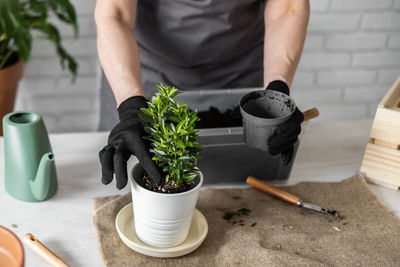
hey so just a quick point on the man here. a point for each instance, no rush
(191, 44)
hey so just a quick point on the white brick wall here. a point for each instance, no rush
(346, 77)
(356, 5)
(397, 4)
(386, 20)
(355, 41)
(350, 59)
(333, 21)
(45, 88)
(357, 62)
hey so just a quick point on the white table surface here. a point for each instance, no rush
(329, 151)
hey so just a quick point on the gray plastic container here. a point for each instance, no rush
(225, 156)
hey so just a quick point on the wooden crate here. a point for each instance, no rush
(381, 162)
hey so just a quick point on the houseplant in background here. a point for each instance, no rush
(163, 212)
(21, 21)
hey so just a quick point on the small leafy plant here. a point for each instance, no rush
(173, 137)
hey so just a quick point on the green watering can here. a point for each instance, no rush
(30, 171)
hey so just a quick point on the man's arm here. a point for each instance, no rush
(117, 47)
(285, 31)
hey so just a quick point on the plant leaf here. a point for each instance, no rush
(180, 143)
(180, 124)
(174, 119)
(185, 158)
(145, 118)
(159, 152)
(190, 176)
(147, 112)
(149, 130)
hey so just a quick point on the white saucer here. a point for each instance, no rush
(126, 231)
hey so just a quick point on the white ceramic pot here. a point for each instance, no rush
(162, 220)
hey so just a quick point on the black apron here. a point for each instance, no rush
(195, 44)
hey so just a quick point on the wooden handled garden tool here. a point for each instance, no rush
(286, 196)
(310, 114)
(43, 251)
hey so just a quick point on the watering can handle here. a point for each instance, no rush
(310, 114)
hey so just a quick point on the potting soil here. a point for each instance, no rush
(168, 188)
(214, 118)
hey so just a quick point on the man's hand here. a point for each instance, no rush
(124, 140)
(287, 133)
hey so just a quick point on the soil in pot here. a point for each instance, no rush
(214, 118)
(168, 187)
(11, 60)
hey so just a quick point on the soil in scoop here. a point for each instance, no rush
(168, 187)
(259, 109)
(213, 118)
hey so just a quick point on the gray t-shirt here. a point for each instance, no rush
(195, 44)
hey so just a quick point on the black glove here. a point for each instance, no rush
(124, 140)
(286, 135)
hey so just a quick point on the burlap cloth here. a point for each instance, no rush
(284, 235)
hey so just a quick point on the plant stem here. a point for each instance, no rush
(5, 59)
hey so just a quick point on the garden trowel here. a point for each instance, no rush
(286, 196)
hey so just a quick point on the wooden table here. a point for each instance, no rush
(329, 151)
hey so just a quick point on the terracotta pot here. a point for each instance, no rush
(11, 249)
(9, 78)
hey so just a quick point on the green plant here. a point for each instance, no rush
(23, 20)
(171, 129)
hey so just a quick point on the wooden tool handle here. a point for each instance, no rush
(310, 114)
(43, 251)
(272, 190)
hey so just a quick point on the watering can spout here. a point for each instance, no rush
(41, 183)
